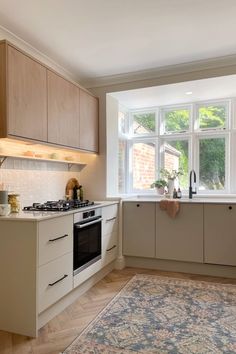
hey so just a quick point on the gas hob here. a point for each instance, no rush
(60, 205)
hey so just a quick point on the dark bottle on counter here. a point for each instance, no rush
(175, 193)
(179, 193)
(81, 193)
(75, 195)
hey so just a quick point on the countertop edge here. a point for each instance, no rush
(39, 216)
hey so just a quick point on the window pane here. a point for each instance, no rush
(144, 123)
(176, 158)
(176, 120)
(212, 116)
(143, 165)
(212, 164)
(121, 159)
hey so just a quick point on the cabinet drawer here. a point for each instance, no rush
(55, 280)
(109, 248)
(55, 238)
(110, 219)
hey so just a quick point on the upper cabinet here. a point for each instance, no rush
(88, 122)
(38, 104)
(24, 95)
(63, 111)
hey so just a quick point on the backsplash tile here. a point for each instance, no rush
(36, 181)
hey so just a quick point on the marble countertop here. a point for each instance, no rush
(43, 215)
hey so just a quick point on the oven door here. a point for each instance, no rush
(87, 244)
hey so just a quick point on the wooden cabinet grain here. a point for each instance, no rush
(180, 238)
(39, 104)
(88, 122)
(139, 229)
(220, 234)
(63, 111)
(23, 94)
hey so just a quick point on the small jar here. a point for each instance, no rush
(14, 201)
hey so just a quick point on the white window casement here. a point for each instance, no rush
(192, 136)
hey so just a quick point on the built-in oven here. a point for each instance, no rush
(87, 239)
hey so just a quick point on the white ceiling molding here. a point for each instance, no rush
(29, 49)
(225, 62)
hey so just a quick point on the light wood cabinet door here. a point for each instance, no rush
(88, 122)
(220, 234)
(63, 111)
(27, 96)
(180, 238)
(139, 229)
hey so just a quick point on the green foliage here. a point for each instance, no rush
(159, 183)
(212, 117)
(146, 120)
(177, 120)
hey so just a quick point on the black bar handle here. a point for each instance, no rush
(109, 249)
(58, 238)
(57, 281)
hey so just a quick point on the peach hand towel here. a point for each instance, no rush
(170, 206)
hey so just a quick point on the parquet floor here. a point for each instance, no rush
(63, 329)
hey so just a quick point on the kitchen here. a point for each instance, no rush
(48, 176)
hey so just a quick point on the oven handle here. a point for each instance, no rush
(80, 226)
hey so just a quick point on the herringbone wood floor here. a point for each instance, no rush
(63, 329)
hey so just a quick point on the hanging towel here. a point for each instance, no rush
(170, 206)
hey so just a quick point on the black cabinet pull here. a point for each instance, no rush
(57, 281)
(58, 238)
(109, 249)
(230, 207)
(138, 205)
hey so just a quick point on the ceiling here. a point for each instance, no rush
(184, 92)
(99, 38)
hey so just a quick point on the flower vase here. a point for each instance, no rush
(171, 186)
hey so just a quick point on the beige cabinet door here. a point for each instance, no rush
(220, 234)
(139, 229)
(63, 111)
(27, 96)
(88, 122)
(180, 238)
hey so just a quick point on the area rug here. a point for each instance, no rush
(155, 314)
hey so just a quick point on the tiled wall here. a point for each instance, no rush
(36, 181)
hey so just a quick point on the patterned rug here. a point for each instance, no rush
(155, 314)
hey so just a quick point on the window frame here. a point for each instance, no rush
(193, 136)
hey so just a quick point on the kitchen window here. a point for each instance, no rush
(192, 136)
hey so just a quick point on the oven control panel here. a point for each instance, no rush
(87, 215)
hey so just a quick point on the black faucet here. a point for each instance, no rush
(190, 184)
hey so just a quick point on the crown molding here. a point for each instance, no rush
(165, 71)
(43, 58)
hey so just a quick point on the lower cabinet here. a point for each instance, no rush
(220, 234)
(55, 280)
(180, 238)
(109, 233)
(139, 229)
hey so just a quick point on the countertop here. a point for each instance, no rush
(202, 200)
(43, 215)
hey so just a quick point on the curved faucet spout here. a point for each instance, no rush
(191, 192)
